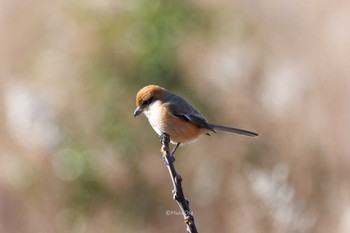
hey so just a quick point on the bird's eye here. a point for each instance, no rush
(146, 102)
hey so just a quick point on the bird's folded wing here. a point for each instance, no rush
(194, 119)
(186, 112)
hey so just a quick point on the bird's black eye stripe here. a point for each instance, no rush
(147, 102)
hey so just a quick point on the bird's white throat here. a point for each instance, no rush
(153, 114)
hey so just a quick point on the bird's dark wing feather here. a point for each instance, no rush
(194, 119)
(187, 113)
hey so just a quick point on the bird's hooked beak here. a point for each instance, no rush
(138, 111)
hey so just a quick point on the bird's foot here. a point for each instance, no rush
(174, 149)
(164, 138)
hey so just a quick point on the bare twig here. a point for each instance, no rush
(178, 194)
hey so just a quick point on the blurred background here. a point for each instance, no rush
(74, 159)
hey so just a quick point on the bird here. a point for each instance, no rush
(170, 114)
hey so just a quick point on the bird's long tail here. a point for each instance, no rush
(233, 130)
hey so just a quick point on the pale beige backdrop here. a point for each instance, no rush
(73, 159)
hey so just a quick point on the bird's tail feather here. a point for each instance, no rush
(233, 130)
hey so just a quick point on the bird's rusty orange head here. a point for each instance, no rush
(148, 95)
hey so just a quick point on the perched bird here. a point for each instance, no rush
(169, 113)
